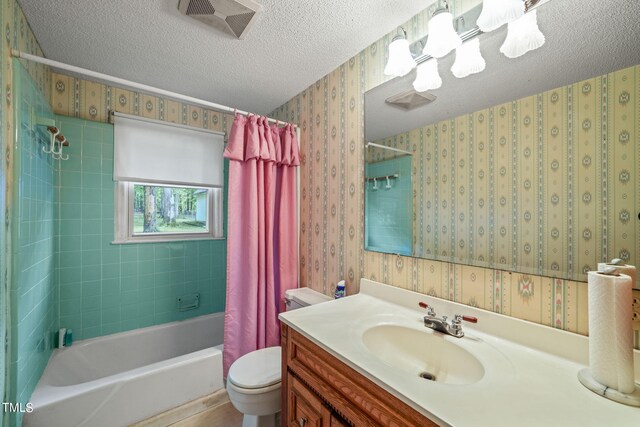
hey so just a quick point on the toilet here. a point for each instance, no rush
(253, 381)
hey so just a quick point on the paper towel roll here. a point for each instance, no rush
(610, 332)
(629, 270)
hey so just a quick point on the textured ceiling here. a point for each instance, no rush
(292, 44)
(584, 39)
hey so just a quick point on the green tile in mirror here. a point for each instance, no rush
(389, 206)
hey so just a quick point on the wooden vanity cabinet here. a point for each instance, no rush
(319, 390)
(306, 408)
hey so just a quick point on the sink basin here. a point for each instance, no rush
(423, 354)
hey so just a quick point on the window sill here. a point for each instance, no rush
(164, 239)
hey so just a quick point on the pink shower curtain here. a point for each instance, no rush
(262, 244)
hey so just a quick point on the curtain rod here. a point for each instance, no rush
(373, 144)
(133, 85)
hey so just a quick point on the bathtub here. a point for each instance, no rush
(126, 377)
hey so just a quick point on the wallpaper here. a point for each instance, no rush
(90, 100)
(558, 135)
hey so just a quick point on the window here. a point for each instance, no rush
(157, 213)
(169, 181)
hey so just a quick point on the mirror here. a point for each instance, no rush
(529, 166)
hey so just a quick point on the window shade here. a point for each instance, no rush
(151, 151)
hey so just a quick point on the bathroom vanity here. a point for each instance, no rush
(322, 390)
(368, 359)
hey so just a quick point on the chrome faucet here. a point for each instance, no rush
(453, 328)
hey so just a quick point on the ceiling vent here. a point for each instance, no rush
(410, 99)
(234, 17)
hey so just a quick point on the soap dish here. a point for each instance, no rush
(587, 380)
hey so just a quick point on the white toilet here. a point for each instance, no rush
(253, 382)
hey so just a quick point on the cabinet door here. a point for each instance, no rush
(305, 408)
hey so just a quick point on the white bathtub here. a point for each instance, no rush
(123, 378)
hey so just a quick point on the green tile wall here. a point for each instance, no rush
(33, 292)
(389, 211)
(3, 222)
(106, 288)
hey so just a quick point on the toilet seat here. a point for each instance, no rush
(258, 369)
(253, 391)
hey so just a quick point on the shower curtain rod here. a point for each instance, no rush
(373, 144)
(134, 85)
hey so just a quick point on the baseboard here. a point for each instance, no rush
(199, 412)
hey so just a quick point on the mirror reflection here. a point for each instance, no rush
(521, 171)
(388, 200)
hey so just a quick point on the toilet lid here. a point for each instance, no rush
(258, 369)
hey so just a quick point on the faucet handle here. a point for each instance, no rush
(470, 319)
(457, 319)
(430, 311)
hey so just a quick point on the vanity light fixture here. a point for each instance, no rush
(388, 182)
(523, 35)
(443, 38)
(400, 61)
(496, 13)
(375, 184)
(447, 33)
(469, 60)
(427, 76)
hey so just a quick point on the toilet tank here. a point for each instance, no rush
(302, 297)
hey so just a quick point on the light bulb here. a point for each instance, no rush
(427, 76)
(523, 35)
(400, 61)
(442, 37)
(469, 60)
(496, 13)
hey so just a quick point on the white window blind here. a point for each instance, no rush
(152, 151)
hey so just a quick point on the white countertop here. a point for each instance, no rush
(530, 370)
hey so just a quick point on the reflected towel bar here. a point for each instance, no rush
(392, 176)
